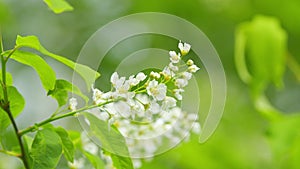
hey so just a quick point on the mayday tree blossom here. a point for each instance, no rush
(146, 109)
(72, 104)
(77, 164)
(193, 68)
(141, 76)
(184, 48)
(155, 75)
(157, 91)
(174, 57)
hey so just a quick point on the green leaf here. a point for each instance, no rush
(27, 146)
(45, 72)
(46, 149)
(121, 162)
(67, 144)
(9, 79)
(17, 104)
(58, 6)
(60, 92)
(111, 140)
(284, 136)
(95, 160)
(85, 72)
(76, 139)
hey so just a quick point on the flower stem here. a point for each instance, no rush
(10, 153)
(54, 118)
(5, 105)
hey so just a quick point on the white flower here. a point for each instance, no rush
(173, 68)
(133, 81)
(77, 164)
(137, 163)
(155, 75)
(140, 76)
(168, 103)
(72, 104)
(184, 48)
(168, 73)
(177, 93)
(158, 91)
(175, 58)
(114, 78)
(97, 96)
(122, 108)
(121, 85)
(107, 95)
(180, 83)
(190, 62)
(193, 68)
(91, 148)
(186, 75)
(196, 128)
(154, 107)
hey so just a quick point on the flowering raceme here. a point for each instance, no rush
(147, 110)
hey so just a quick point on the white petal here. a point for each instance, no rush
(114, 77)
(141, 76)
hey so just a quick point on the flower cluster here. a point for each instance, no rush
(147, 110)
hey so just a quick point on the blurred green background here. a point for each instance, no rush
(241, 139)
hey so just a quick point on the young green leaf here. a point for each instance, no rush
(76, 139)
(9, 79)
(85, 72)
(111, 140)
(94, 160)
(60, 92)
(17, 104)
(121, 162)
(58, 6)
(46, 149)
(45, 72)
(67, 144)
(27, 146)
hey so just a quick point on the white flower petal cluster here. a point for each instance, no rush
(146, 108)
(157, 91)
(77, 164)
(73, 104)
(184, 48)
(174, 57)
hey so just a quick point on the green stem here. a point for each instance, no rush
(51, 119)
(10, 153)
(6, 106)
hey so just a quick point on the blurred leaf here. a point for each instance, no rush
(60, 92)
(95, 160)
(85, 72)
(46, 149)
(67, 144)
(9, 79)
(17, 104)
(111, 140)
(45, 72)
(284, 137)
(58, 6)
(121, 162)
